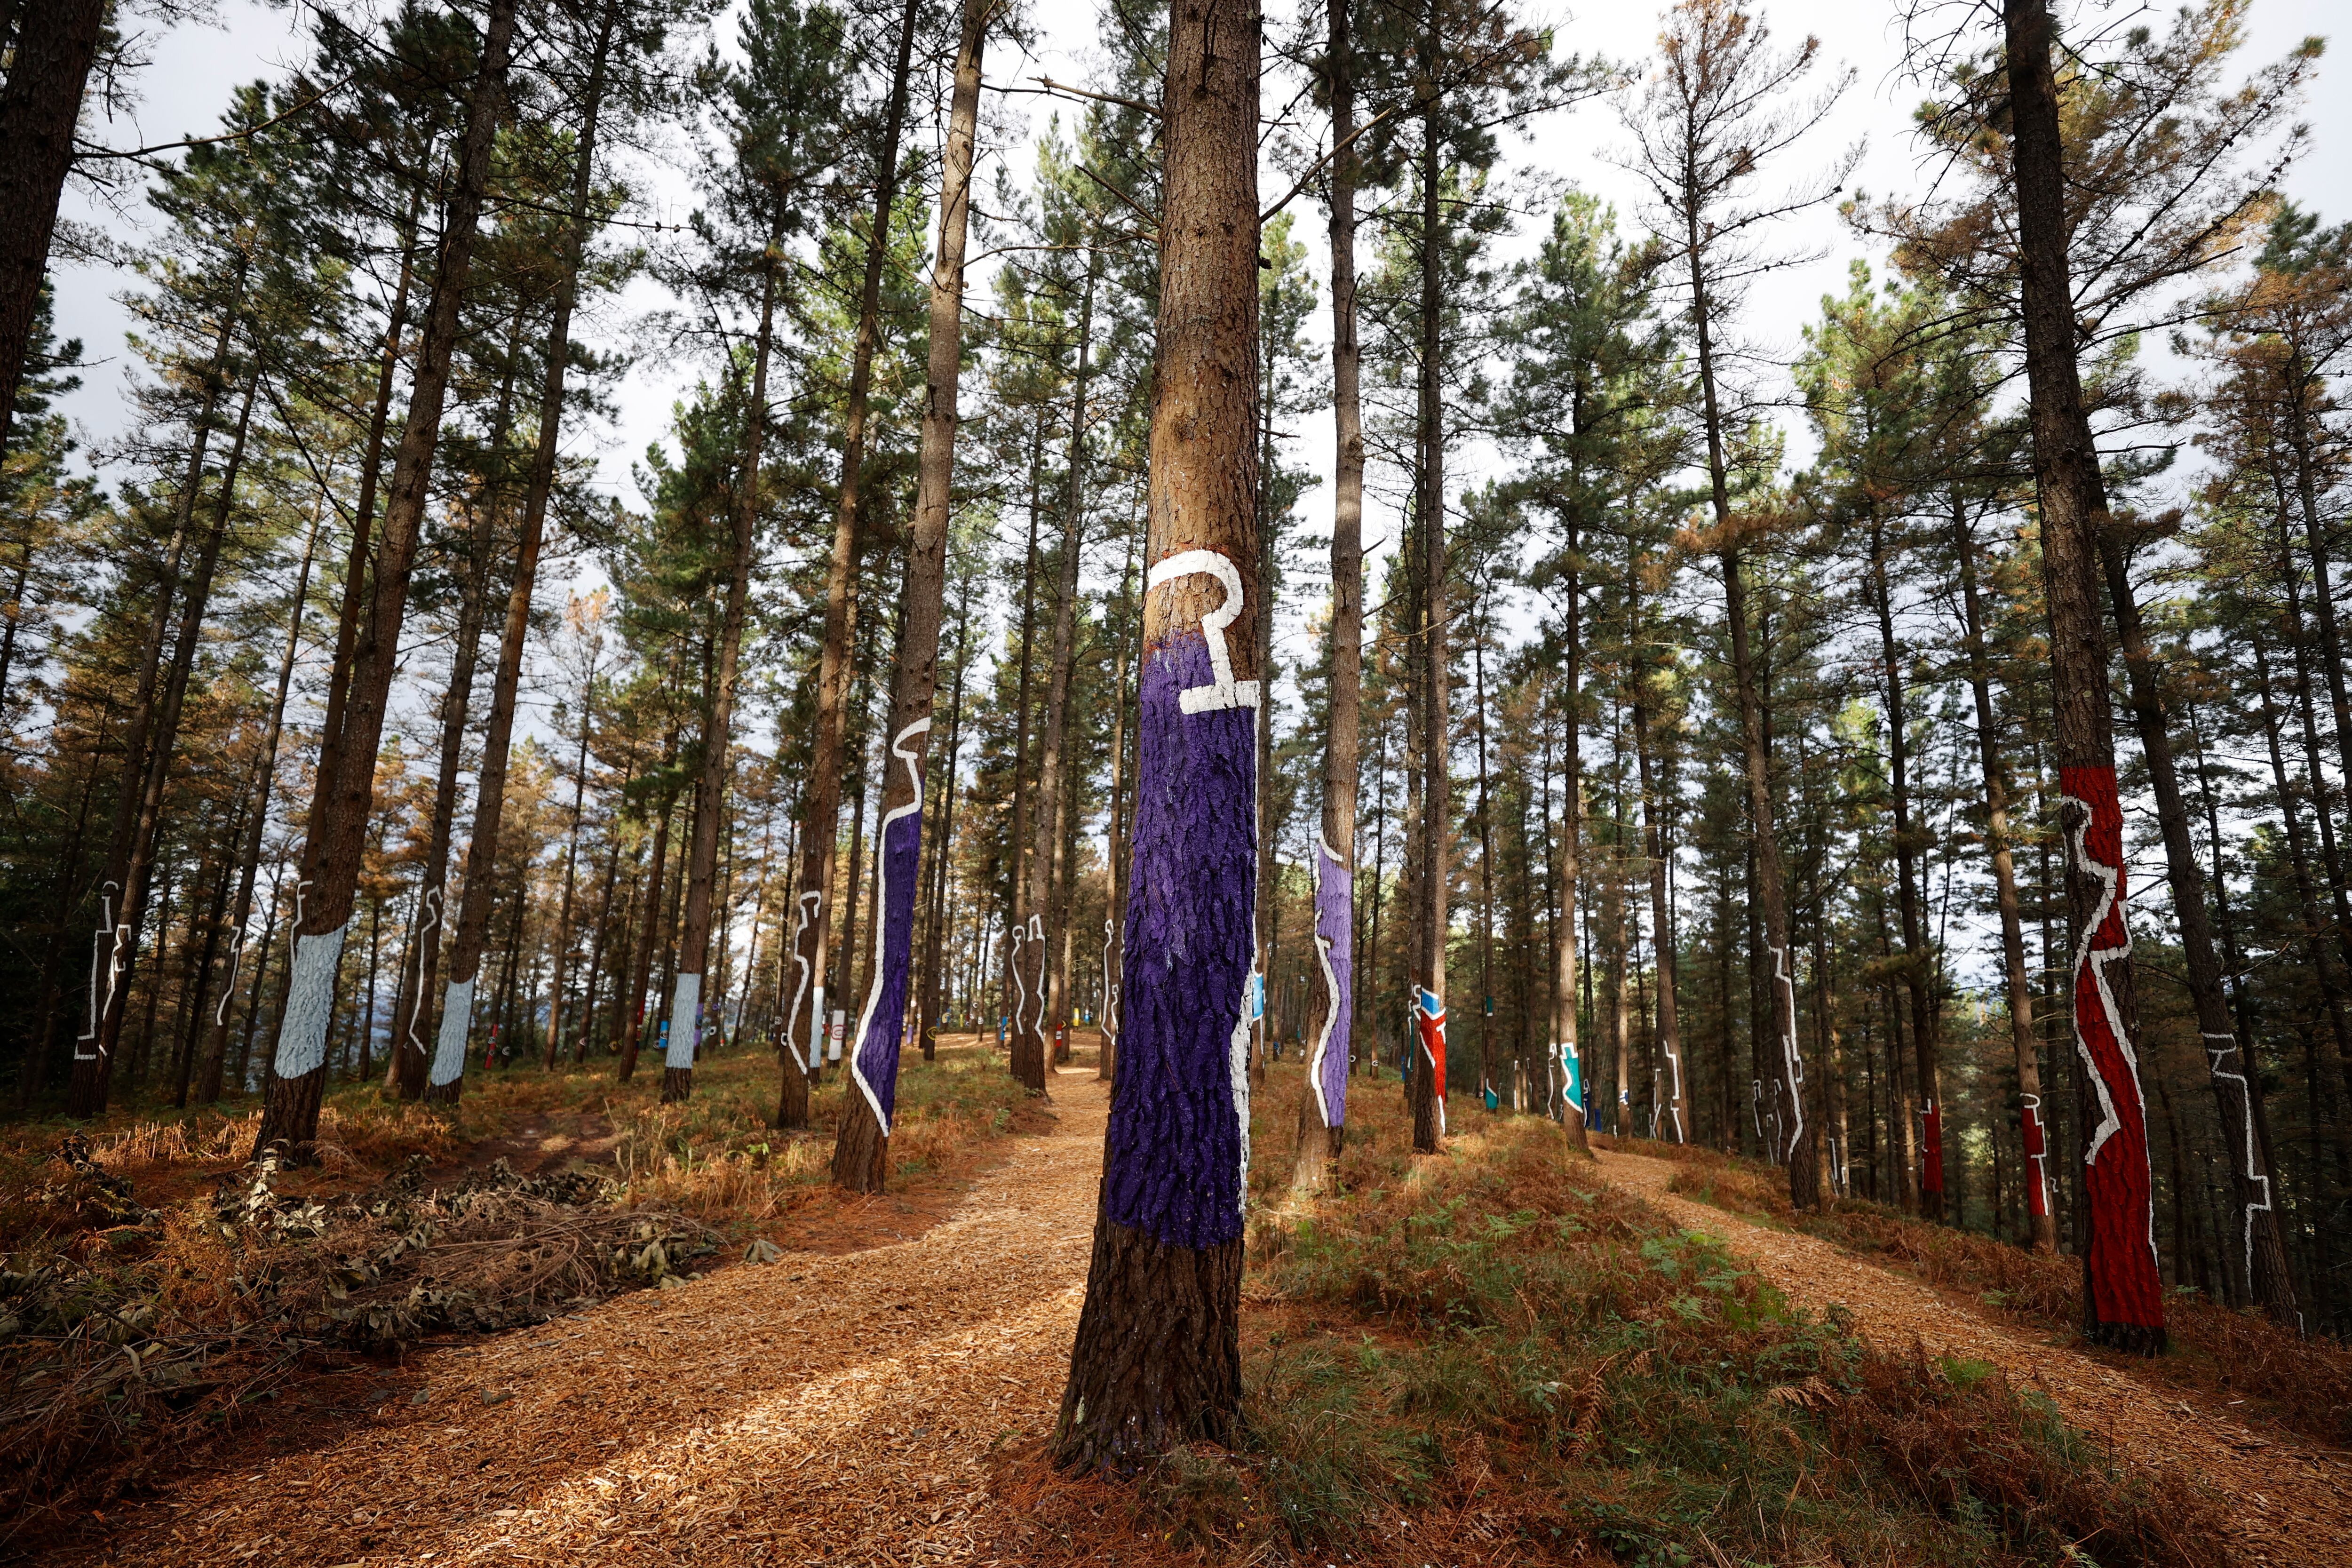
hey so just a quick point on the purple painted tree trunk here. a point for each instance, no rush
(1178, 1142)
(874, 1061)
(1327, 1066)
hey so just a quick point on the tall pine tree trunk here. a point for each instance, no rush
(1431, 918)
(1156, 1361)
(861, 1149)
(347, 795)
(264, 773)
(1323, 1105)
(2237, 1088)
(1675, 1110)
(56, 40)
(571, 867)
(447, 1077)
(819, 830)
(2026, 1051)
(1033, 1038)
(1916, 960)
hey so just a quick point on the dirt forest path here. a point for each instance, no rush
(2292, 1501)
(824, 1408)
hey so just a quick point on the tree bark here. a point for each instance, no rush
(1032, 1040)
(1157, 1359)
(861, 1150)
(819, 838)
(1323, 1104)
(56, 40)
(447, 1077)
(1916, 960)
(2237, 1087)
(2123, 1296)
(2024, 1050)
(290, 1116)
(571, 867)
(1432, 919)
(265, 772)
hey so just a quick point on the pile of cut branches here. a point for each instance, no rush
(127, 1332)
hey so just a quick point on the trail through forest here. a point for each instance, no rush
(824, 1408)
(2291, 1499)
(844, 1407)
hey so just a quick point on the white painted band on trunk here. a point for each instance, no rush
(686, 1000)
(449, 1045)
(309, 1003)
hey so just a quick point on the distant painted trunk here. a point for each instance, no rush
(338, 844)
(1323, 1105)
(2236, 1085)
(1432, 919)
(1795, 1137)
(153, 773)
(1033, 1044)
(446, 1080)
(1566, 1078)
(2025, 1051)
(813, 901)
(111, 951)
(1674, 1119)
(2122, 1295)
(861, 1150)
(265, 772)
(1157, 1359)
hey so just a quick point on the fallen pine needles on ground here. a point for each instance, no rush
(2304, 1385)
(1494, 1356)
(130, 1332)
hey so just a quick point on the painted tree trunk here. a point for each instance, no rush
(1157, 1359)
(813, 901)
(153, 771)
(2026, 1051)
(861, 1150)
(1432, 919)
(93, 1056)
(264, 773)
(2122, 1295)
(2237, 1088)
(1322, 1109)
(1034, 1041)
(446, 1079)
(290, 1116)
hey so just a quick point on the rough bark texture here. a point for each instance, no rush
(56, 40)
(2024, 1050)
(861, 1151)
(1322, 1106)
(813, 902)
(447, 1078)
(1156, 1362)
(1916, 961)
(299, 1071)
(2237, 1087)
(2122, 1295)
(1432, 920)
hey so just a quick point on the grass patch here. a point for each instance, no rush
(1494, 1356)
(2239, 1359)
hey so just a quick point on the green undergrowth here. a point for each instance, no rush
(2255, 1368)
(1493, 1353)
